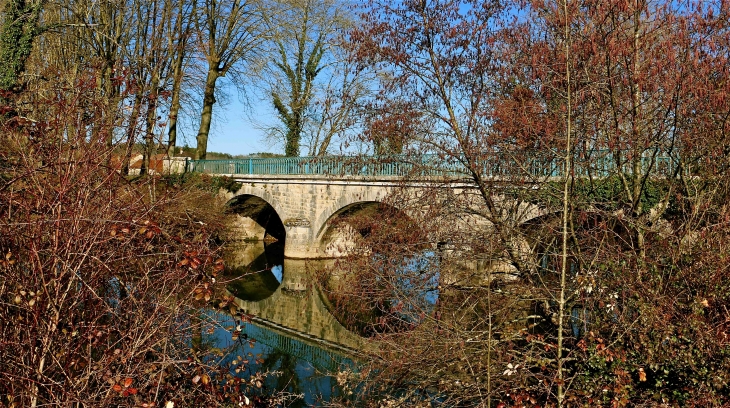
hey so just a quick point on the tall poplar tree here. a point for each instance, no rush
(303, 55)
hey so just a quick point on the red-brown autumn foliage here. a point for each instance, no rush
(101, 277)
(638, 92)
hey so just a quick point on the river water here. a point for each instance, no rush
(291, 331)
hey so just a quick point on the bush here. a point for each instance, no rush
(100, 278)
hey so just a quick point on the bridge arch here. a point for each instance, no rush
(342, 202)
(260, 212)
(336, 237)
(305, 205)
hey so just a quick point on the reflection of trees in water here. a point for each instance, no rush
(200, 342)
(290, 305)
(382, 286)
(395, 296)
(285, 364)
(292, 377)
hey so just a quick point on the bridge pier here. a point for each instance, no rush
(300, 243)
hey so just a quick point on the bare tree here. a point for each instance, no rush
(109, 281)
(227, 33)
(573, 128)
(156, 63)
(307, 73)
(335, 108)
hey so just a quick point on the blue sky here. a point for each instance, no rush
(232, 131)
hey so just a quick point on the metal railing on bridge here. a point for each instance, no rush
(327, 165)
(509, 164)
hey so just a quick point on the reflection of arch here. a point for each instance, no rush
(255, 270)
(302, 314)
(261, 212)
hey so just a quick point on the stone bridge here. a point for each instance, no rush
(297, 198)
(301, 208)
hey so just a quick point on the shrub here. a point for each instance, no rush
(100, 277)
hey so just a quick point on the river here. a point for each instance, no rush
(291, 330)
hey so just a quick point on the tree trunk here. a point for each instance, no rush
(17, 33)
(110, 95)
(206, 115)
(567, 181)
(109, 54)
(177, 75)
(175, 104)
(292, 142)
(131, 127)
(150, 120)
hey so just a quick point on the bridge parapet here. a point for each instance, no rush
(597, 163)
(367, 166)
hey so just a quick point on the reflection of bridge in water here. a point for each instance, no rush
(293, 318)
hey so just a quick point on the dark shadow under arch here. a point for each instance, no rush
(362, 208)
(261, 212)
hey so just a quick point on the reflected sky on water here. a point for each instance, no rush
(302, 367)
